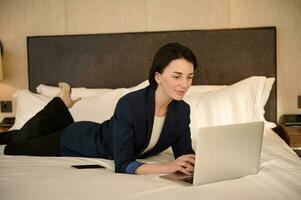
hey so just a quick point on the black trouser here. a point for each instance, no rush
(40, 136)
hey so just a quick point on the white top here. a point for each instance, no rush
(157, 128)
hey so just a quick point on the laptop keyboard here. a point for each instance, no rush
(188, 180)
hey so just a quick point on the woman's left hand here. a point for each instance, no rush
(184, 164)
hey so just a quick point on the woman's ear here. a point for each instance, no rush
(157, 77)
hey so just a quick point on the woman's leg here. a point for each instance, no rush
(53, 117)
(48, 145)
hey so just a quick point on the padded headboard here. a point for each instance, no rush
(123, 59)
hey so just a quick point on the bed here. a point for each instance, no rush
(236, 82)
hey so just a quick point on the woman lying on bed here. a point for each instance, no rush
(145, 122)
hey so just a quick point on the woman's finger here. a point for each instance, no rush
(189, 155)
(185, 165)
(185, 171)
(189, 159)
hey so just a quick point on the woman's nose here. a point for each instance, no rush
(185, 84)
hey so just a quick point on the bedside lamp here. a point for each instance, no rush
(1, 71)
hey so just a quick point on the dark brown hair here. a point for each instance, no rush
(165, 55)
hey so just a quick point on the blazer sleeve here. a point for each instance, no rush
(182, 145)
(123, 139)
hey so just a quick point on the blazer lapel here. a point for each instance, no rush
(150, 103)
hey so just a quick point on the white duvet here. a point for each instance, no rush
(43, 178)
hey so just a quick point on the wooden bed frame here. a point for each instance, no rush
(123, 59)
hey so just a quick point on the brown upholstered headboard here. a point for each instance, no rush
(123, 59)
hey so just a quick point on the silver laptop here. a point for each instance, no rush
(225, 152)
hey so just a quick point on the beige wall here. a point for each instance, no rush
(19, 18)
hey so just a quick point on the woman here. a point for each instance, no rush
(145, 122)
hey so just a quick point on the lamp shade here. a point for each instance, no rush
(1, 71)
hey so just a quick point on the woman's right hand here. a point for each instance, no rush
(184, 164)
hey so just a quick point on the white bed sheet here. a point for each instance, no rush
(30, 178)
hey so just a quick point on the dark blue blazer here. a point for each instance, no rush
(125, 136)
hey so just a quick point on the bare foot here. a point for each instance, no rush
(65, 94)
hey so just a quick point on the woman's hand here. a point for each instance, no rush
(184, 164)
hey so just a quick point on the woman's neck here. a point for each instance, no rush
(161, 102)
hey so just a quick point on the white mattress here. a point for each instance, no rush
(30, 178)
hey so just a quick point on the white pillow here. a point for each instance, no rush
(94, 108)
(28, 104)
(101, 107)
(266, 93)
(237, 103)
(97, 108)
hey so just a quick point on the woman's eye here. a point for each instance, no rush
(176, 77)
(190, 77)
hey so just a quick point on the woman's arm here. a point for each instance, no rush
(184, 164)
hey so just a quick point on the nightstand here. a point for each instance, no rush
(292, 136)
(6, 123)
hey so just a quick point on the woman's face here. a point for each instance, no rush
(175, 79)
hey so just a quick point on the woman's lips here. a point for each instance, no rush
(181, 93)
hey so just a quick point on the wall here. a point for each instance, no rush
(19, 19)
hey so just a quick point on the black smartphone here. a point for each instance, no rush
(91, 166)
